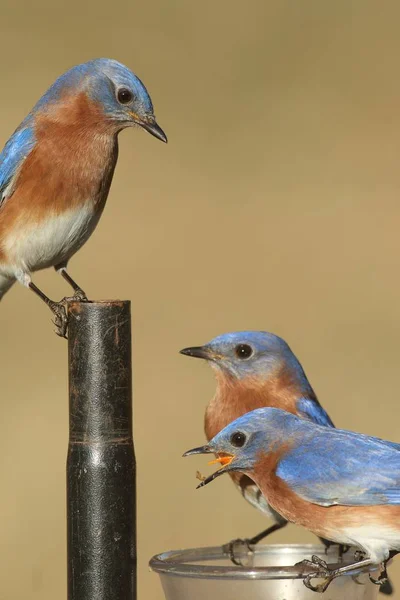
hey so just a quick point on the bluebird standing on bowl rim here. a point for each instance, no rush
(57, 167)
(256, 369)
(341, 485)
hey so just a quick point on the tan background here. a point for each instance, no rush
(274, 206)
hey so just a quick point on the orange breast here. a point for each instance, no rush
(235, 398)
(73, 161)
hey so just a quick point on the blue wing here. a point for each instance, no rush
(342, 467)
(12, 157)
(313, 411)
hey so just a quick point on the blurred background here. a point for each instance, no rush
(274, 206)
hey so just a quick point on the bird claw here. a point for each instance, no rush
(315, 562)
(79, 296)
(236, 548)
(323, 571)
(60, 310)
(322, 587)
(382, 579)
(60, 318)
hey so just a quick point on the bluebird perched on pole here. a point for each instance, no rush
(343, 486)
(57, 167)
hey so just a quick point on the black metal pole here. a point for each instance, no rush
(101, 488)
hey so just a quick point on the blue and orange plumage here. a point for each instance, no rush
(341, 485)
(256, 369)
(57, 168)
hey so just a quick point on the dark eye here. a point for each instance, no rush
(243, 351)
(124, 96)
(238, 439)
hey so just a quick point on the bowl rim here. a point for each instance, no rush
(177, 562)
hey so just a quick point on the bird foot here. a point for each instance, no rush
(322, 587)
(79, 296)
(315, 562)
(239, 551)
(60, 311)
(60, 318)
(382, 579)
(322, 572)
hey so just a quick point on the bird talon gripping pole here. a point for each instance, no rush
(101, 489)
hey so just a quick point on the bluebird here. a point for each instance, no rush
(255, 369)
(57, 167)
(341, 485)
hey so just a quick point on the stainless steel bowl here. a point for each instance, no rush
(208, 574)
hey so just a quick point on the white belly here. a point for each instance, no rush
(51, 242)
(377, 540)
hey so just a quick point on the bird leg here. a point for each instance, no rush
(79, 294)
(383, 576)
(327, 574)
(58, 309)
(383, 580)
(239, 543)
(342, 548)
(260, 536)
(234, 547)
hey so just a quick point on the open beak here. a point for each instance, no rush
(150, 125)
(224, 461)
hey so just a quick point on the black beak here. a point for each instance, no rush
(153, 128)
(197, 352)
(206, 450)
(199, 450)
(211, 477)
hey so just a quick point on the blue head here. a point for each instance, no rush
(241, 444)
(256, 354)
(119, 92)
